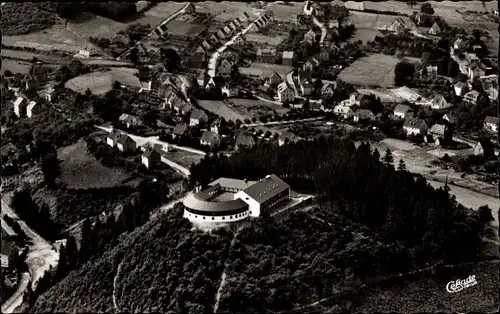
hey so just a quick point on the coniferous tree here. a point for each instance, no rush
(376, 154)
(388, 159)
(85, 245)
(71, 253)
(401, 165)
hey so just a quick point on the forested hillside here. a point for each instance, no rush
(372, 222)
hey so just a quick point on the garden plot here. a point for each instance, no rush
(221, 109)
(184, 158)
(287, 13)
(179, 27)
(263, 70)
(15, 66)
(262, 39)
(225, 11)
(91, 25)
(249, 106)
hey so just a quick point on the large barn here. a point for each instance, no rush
(229, 200)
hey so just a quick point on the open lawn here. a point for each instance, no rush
(264, 39)
(364, 34)
(221, 108)
(375, 69)
(226, 11)
(184, 158)
(178, 27)
(89, 24)
(15, 66)
(265, 69)
(28, 56)
(253, 107)
(80, 170)
(287, 13)
(101, 82)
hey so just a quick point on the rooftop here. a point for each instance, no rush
(266, 188)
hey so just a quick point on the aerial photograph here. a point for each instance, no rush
(250, 157)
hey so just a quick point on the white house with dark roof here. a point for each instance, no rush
(491, 123)
(415, 126)
(150, 157)
(439, 102)
(403, 112)
(265, 194)
(460, 89)
(275, 79)
(198, 117)
(285, 93)
(129, 120)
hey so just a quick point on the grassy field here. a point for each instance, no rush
(221, 109)
(265, 69)
(178, 27)
(100, 83)
(226, 11)
(426, 292)
(15, 66)
(80, 170)
(184, 158)
(93, 25)
(287, 13)
(264, 39)
(364, 34)
(375, 69)
(253, 107)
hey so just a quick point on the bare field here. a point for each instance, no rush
(375, 69)
(372, 20)
(182, 28)
(220, 108)
(101, 82)
(264, 39)
(15, 66)
(265, 69)
(184, 158)
(287, 13)
(80, 170)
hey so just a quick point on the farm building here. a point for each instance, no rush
(287, 58)
(198, 117)
(415, 126)
(285, 93)
(266, 55)
(402, 25)
(476, 71)
(353, 100)
(150, 157)
(211, 139)
(491, 124)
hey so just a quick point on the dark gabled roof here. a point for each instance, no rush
(124, 139)
(438, 129)
(402, 108)
(180, 129)
(415, 123)
(209, 136)
(287, 135)
(150, 152)
(244, 139)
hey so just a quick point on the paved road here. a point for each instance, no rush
(17, 298)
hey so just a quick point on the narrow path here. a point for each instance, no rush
(224, 275)
(316, 21)
(115, 280)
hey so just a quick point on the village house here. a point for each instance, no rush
(239, 40)
(32, 109)
(306, 87)
(20, 106)
(441, 134)
(211, 139)
(471, 97)
(304, 21)
(8, 251)
(214, 39)
(224, 68)
(400, 26)
(310, 37)
(275, 79)
(244, 140)
(328, 89)
(198, 57)
(476, 71)
(266, 55)
(179, 130)
(151, 157)
(215, 127)
(112, 137)
(230, 90)
(237, 22)
(459, 44)
(333, 24)
(484, 148)
(227, 31)
(179, 105)
(492, 92)
(129, 120)
(304, 74)
(125, 143)
(221, 35)
(491, 124)
(432, 71)
(324, 55)
(206, 45)
(48, 93)
(439, 102)
(352, 101)
(310, 64)
(344, 112)
(363, 115)
(435, 29)
(198, 117)
(415, 126)
(450, 118)
(287, 58)
(460, 89)
(285, 93)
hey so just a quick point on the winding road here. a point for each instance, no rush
(308, 10)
